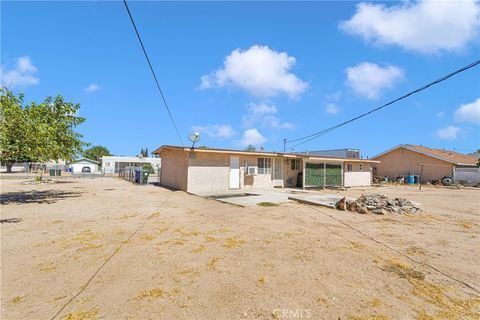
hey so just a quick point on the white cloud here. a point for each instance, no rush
(92, 87)
(332, 108)
(448, 133)
(253, 137)
(441, 114)
(260, 71)
(424, 26)
(264, 114)
(369, 79)
(216, 130)
(22, 75)
(469, 112)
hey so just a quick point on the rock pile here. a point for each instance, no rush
(378, 204)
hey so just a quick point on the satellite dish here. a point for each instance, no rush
(194, 137)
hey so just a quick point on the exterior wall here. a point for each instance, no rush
(174, 169)
(77, 167)
(290, 177)
(402, 162)
(359, 176)
(110, 164)
(210, 172)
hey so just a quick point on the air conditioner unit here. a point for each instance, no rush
(251, 171)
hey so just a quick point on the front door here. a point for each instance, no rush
(278, 173)
(234, 173)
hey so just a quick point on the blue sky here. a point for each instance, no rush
(251, 72)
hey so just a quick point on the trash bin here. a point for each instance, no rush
(145, 175)
(52, 172)
(137, 178)
(58, 172)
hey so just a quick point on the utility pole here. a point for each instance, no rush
(284, 144)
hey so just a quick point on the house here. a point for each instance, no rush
(342, 153)
(85, 165)
(219, 170)
(114, 164)
(407, 159)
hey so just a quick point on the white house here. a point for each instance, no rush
(85, 165)
(114, 164)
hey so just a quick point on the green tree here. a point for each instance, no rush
(146, 152)
(96, 153)
(250, 148)
(38, 132)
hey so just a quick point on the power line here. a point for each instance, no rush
(153, 72)
(320, 133)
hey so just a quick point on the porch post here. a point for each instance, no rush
(324, 174)
(304, 163)
(342, 173)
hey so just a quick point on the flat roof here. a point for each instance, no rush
(263, 153)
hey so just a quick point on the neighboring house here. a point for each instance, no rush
(219, 170)
(85, 165)
(408, 159)
(113, 164)
(34, 166)
(342, 153)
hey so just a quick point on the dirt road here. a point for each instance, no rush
(107, 249)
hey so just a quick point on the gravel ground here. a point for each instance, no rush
(107, 249)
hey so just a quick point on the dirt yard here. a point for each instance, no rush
(107, 249)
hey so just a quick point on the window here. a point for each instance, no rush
(361, 167)
(349, 167)
(264, 165)
(295, 164)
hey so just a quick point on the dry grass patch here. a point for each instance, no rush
(356, 245)
(151, 293)
(49, 267)
(416, 251)
(212, 263)
(85, 315)
(210, 239)
(147, 237)
(201, 248)
(371, 317)
(466, 225)
(448, 308)
(233, 242)
(403, 270)
(16, 300)
(262, 280)
(187, 233)
(375, 302)
(267, 204)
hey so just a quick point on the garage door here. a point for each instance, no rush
(333, 175)
(314, 175)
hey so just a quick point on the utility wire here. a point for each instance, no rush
(153, 72)
(320, 133)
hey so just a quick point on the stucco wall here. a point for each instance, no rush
(403, 162)
(288, 173)
(359, 176)
(210, 172)
(173, 172)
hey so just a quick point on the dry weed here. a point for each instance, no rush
(210, 239)
(201, 248)
(49, 267)
(16, 299)
(85, 315)
(416, 251)
(212, 263)
(403, 270)
(233, 242)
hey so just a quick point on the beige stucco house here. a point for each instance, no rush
(407, 159)
(219, 170)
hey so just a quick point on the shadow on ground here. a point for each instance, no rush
(47, 196)
(11, 220)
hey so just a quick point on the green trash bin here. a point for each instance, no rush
(58, 172)
(52, 172)
(145, 175)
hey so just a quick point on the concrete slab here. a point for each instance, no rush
(249, 197)
(327, 200)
